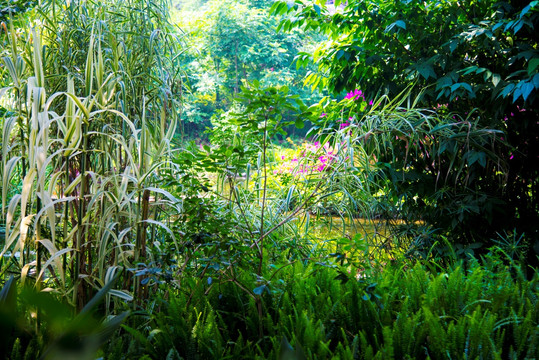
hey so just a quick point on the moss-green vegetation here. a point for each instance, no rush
(473, 309)
(479, 309)
(393, 214)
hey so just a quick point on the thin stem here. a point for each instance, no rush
(260, 244)
(66, 211)
(296, 210)
(78, 293)
(243, 215)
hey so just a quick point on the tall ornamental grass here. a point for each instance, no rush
(90, 91)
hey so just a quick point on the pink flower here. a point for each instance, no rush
(282, 157)
(271, 69)
(323, 115)
(371, 102)
(355, 95)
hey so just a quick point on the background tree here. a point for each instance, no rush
(234, 42)
(14, 7)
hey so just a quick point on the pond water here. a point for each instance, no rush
(337, 227)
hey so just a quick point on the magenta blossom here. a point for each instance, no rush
(355, 95)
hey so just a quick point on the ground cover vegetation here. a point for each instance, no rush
(390, 214)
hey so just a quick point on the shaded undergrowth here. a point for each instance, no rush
(475, 310)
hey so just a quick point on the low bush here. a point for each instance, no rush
(478, 309)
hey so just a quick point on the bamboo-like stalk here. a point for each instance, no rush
(66, 211)
(98, 192)
(79, 294)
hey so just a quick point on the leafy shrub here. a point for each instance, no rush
(35, 324)
(476, 309)
(479, 55)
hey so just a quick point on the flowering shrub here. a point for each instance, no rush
(345, 124)
(314, 157)
(341, 114)
(307, 158)
(355, 95)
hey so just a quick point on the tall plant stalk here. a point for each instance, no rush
(90, 156)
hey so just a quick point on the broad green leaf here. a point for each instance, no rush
(38, 62)
(507, 90)
(12, 71)
(317, 9)
(526, 89)
(532, 65)
(400, 24)
(517, 93)
(426, 71)
(260, 289)
(496, 79)
(536, 81)
(453, 45)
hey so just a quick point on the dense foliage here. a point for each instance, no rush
(87, 121)
(481, 309)
(477, 60)
(395, 217)
(14, 7)
(232, 43)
